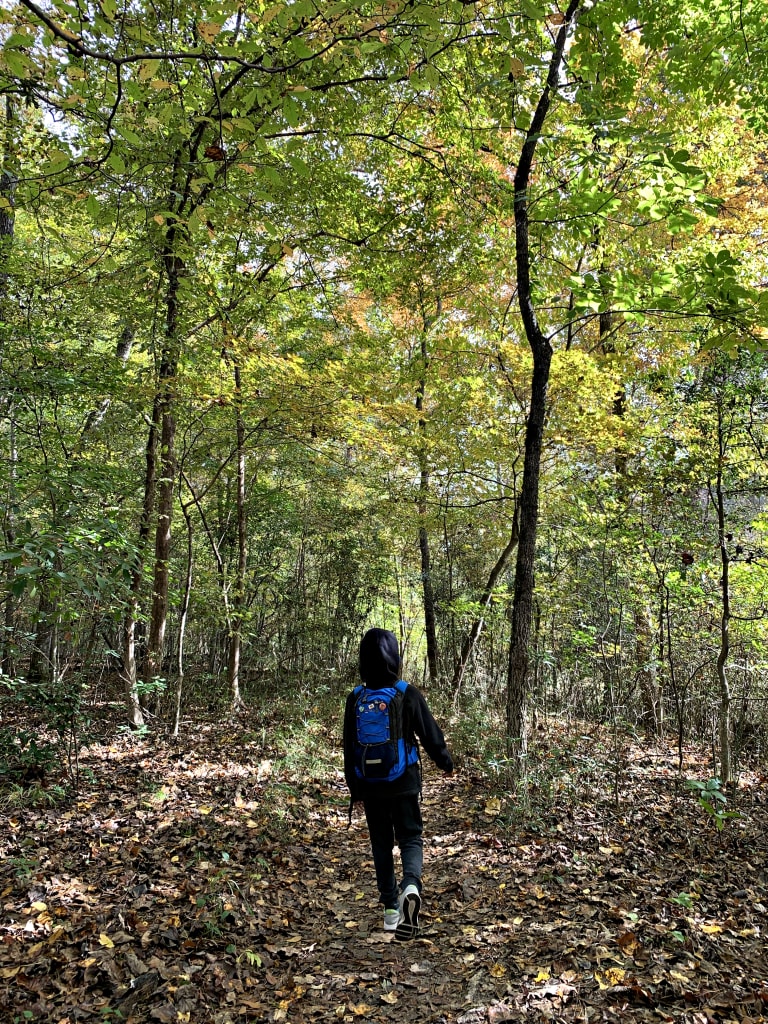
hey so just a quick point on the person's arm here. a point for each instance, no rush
(428, 731)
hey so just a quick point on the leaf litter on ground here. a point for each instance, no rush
(215, 883)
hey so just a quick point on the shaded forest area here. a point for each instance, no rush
(439, 316)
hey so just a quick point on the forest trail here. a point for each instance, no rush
(207, 883)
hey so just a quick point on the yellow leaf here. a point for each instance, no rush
(361, 1010)
(543, 975)
(679, 977)
(711, 929)
(208, 30)
(516, 68)
(498, 971)
(39, 906)
(390, 998)
(147, 68)
(205, 810)
(607, 979)
(492, 807)
(104, 940)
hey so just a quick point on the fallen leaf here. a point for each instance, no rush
(611, 977)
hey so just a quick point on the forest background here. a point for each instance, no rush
(317, 316)
(443, 316)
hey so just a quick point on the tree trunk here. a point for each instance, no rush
(522, 602)
(650, 691)
(183, 624)
(238, 598)
(7, 666)
(7, 223)
(430, 618)
(541, 349)
(724, 710)
(167, 479)
(130, 668)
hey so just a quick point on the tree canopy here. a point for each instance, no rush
(445, 315)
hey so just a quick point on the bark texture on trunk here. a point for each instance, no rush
(541, 350)
(724, 711)
(428, 593)
(238, 596)
(183, 624)
(130, 666)
(167, 478)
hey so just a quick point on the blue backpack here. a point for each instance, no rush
(381, 753)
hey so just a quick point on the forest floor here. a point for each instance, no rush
(214, 880)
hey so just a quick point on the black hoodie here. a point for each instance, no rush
(379, 667)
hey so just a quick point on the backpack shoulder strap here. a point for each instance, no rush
(401, 686)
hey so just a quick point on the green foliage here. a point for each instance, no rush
(48, 743)
(322, 199)
(712, 800)
(24, 756)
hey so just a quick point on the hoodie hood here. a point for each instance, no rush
(379, 659)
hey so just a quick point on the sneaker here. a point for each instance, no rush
(410, 904)
(391, 919)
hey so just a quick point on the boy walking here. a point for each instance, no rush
(383, 719)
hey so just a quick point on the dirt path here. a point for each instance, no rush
(215, 886)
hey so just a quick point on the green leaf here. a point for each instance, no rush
(292, 111)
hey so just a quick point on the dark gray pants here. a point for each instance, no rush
(389, 820)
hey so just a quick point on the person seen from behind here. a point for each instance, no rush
(385, 719)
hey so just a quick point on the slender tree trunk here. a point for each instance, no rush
(7, 666)
(7, 223)
(724, 711)
(428, 593)
(238, 598)
(541, 350)
(522, 602)
(476, 629)
(130, 667)
(650, 692)
(183, 623)
(167, 479)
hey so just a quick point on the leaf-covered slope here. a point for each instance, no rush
(220, 884)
